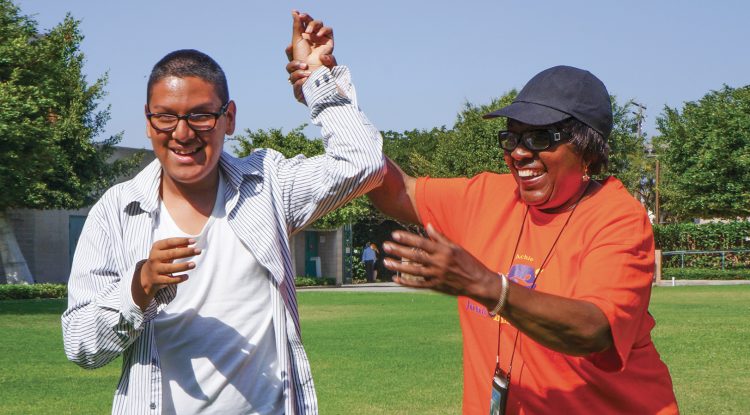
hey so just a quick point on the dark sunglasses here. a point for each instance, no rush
(534, 140)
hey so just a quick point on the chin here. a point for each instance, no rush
(537, 201)
(186, 177)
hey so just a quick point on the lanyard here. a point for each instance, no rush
(533, 283)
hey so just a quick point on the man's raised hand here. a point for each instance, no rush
(311, 48)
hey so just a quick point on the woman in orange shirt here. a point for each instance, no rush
(552, 269)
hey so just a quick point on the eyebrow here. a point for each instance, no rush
(207, 107)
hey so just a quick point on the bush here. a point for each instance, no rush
(358, 267)
(704, 237)
(313, 282)
(704, 274)
(31, 291)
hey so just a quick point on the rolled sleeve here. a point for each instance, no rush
(101, 319)
(353, 161)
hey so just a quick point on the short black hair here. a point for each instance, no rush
(184, 63)
(589, 143)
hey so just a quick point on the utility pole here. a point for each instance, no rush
(641, 108)
(639, 125)
(656, 191)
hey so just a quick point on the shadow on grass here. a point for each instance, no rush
(35, 306)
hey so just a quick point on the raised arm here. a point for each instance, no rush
(396, 197)
(353, 160)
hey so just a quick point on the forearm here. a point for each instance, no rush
(573, 327)
(353, 159)
(101, 320)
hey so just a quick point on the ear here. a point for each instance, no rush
(148, 124)
(230, 114)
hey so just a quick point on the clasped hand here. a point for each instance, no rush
(311, 48)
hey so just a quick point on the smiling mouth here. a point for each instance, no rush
(528, 173)
(186, 152)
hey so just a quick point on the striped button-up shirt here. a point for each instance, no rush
(268, 198)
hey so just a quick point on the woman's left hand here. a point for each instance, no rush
(443, 265)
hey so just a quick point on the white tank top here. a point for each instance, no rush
(215, 340)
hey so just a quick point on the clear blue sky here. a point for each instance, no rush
(414, 62)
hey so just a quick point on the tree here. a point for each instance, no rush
(628, 154)
(705, 153)
(291, 144)
(48, 122)
(472, 146)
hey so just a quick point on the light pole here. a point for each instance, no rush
(640, 115)
(650, 154)
(656, 192)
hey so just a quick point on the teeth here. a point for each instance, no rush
(529, 173)
(184, 152)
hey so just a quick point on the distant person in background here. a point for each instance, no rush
(378, 262)
(369, 256)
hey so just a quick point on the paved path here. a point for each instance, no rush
(669, 283)
(392, 287)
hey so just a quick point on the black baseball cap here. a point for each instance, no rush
(558, 93)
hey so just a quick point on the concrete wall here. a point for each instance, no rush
(43, 236)
(330, 252)
(297, 244)
(330, 248)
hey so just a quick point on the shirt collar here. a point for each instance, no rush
(144, 187)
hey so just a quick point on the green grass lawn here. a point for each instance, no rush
(398, 353)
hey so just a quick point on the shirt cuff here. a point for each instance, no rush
(129, 310)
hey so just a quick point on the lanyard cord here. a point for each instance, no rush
(499, 325)
(533, 282)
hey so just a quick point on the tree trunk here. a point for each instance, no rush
(11, 258)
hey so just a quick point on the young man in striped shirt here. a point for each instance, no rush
(186, 270)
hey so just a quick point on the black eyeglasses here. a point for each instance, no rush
(534, 140)
(165, 122)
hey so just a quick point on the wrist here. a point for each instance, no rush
(140, 291)
(502, 298)
(312, 67)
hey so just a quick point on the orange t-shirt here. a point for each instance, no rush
(604, 255)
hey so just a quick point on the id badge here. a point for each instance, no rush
(499, 393)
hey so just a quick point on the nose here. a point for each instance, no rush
(182, 131)
(521, 152)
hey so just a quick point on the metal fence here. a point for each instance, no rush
(735, 258)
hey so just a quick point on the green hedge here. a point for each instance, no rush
(708, 236)
(311, 281)
(322, 282)
(705, 237)
(31, 291)
(704, 274)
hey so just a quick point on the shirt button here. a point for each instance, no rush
(153, 405)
